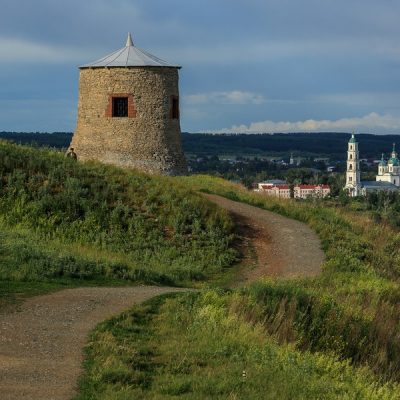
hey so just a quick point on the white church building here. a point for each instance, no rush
(388, 177)
(389, 171)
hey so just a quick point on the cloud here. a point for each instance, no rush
(232, 97)
(306, 56)
(18, 50)
(371, 123)
(267, 50)
(360, 99)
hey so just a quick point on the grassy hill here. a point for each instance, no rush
(72, 223)
(64, 223)
(329, 337)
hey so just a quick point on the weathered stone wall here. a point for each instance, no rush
(148, 139)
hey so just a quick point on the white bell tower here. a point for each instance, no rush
(353, 183)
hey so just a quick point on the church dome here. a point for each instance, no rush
(393, 159)
(382, 163)
(352, 139)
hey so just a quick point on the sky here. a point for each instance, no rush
(248, 65)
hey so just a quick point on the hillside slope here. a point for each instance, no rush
(327, 337)
(30, 340)
(65, 220)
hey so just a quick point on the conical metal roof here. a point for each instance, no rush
(129, 56)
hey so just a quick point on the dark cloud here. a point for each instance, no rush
(289, 52)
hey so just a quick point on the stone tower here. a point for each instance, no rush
(353, 182)
(128, 112)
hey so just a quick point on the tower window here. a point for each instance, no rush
(350, 166)
(120, 106)
(351, 156)
(350, 178)
(174, 107)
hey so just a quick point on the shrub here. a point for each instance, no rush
(162, 228)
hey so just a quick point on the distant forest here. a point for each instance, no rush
(331, 145)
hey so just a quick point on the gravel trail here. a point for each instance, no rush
(41, 343)
(283, 247)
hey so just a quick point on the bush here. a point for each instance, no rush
(221, 355)
(159, 226)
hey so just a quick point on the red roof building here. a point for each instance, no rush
(299, 191)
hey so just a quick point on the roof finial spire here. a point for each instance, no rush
(129, 41)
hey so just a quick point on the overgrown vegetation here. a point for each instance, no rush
(64, 220)
(333, 336)
(352, 309)
(200, 346)
(383, 206)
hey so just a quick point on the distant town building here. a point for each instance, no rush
(388, 178)
(272, 182)
(389, 171)
(311, 191)
(280, 190)
(291, 161)
(376, 186)
(322, 159)
(353, 180)
(299, 191)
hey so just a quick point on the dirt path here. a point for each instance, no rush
(283, 247)
(41, 344)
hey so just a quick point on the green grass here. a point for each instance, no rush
(85, 223)
(70, 224)
(352, 308)
(329, 337)
(12, 293)
(25, 258)
(195, 346)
